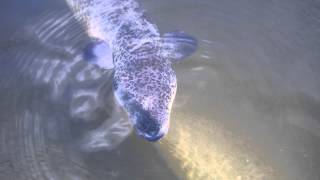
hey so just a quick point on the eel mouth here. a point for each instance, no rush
(151, 138)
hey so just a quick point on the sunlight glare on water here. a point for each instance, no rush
(195, 149)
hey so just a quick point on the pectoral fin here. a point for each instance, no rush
(178, 45)
(98, 52)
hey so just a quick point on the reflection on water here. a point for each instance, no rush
(247, 105)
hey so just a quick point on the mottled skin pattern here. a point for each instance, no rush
(144, 81)
(147, 87)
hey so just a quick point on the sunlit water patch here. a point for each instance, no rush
(201, 148)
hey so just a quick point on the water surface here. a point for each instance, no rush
(247, 105)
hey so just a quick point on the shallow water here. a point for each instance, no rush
(247, 105)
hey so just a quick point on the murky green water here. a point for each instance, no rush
(247, 105)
